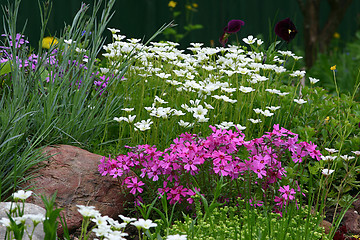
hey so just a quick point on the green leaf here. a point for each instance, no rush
(5, 68)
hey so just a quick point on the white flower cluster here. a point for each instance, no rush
(201, 72)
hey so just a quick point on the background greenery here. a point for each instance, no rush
(142, 18)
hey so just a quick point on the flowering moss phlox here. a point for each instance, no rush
(190, 154)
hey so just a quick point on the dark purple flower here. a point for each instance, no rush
(233, 27)
(286, 30)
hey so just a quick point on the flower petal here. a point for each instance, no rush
(234, 26)
(286, 29)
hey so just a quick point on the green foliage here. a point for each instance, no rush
(236, 223)
(51, 221)
(347, 67)
(173, 33)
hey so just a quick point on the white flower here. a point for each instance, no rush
(249, 40)
(143, 125)
(254, 120)
(159, 100)
(327, 172)
(100, 220)
(163, 75)
(88, 211)
(357, 153)
(113, 30)
(199, 111)
(70, 41)
(313, 80)
(35, 218)
(298, 73)
(331, 150)
(120, 119)
(208, 106)
(297, 57)
(185, 124)
(267, 113)
(286, 53)
(5, 222)
(127, 109)
(272, 108)
(177, 112)
(257, 110)
(202, 119)
(347, 158)
(225, 125)
(240, 127)
(328, 158)
(300, 101)
(130, 118)
(246, 89)
(21, 195)
(176, 237)
(259, 42)
(145, 224)
(127, 219)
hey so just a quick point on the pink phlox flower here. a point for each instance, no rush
(287, 193)
(104, 167)
(154, 173)
(187, 137)
(298, 155)
(179, 192)
(116, 172)
(222, 167)
(229, 148)
(291, 144)
(221, 157)
(146, 168)
(265, 160)
(258, 169)
(134, 184)
(173, 176)
(313, 152)
(190, 165)
(164, 189)
(166, 162)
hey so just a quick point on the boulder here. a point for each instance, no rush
(351, 221)
(28, 209)
(73, 173)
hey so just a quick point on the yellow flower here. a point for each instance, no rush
(172, 4)
(327, 119)
(336, 35)
(195, 5)
(188, 7)
(333, 68)
(47, 42)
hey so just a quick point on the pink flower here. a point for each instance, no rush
(132, 182)
(287, 193)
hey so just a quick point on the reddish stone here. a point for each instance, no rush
(351, 221)
(73, 173)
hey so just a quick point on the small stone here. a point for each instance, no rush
(28, 209)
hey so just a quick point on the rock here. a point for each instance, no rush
(351, 221)
(73, 173)
(326, 225)
(356, 205)
(29, 208)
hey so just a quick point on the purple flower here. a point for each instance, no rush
(233, 27)
(286, 30)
